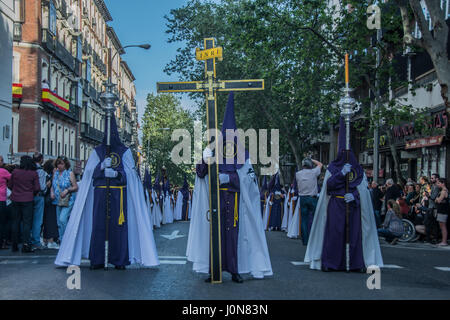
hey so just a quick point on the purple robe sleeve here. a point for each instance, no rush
(336, 182)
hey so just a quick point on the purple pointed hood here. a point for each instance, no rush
(185, 189)
(264, 185)
(116, 145)
(232, 148)
(337, 165)
(156, 185)
(147, 180)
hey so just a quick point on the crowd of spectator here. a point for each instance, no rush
(425, 203)
(36, 199)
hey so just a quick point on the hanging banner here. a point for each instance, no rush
(55, 100)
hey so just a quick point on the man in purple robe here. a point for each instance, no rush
(334, 244)
(112, 168)
(277, 206)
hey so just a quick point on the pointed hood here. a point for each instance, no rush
(147, 180)
(277, 185)
(294, 184)
(232, 148)
(185, 189)
(116, 145)
(264, 185)
(166, 186)
(156, 185)
(271, 183)
(337, 165)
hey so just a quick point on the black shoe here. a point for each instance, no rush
(96, 266)
(325, 269)
(120, 267)
(27, 248)
(237, 278)
(208, 280)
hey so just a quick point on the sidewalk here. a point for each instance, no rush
(414, 245)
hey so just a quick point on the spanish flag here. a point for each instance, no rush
(55, 100)
(17, 90)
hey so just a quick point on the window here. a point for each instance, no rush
(52, 18)
(52, 138)
(44, 136)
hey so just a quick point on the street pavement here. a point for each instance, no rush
(413, 271)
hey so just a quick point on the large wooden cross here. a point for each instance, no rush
(210, 86)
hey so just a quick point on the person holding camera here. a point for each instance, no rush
(38, 202)
(307, 190)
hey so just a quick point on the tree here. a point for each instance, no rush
(433, 41)
(258, 44)
(162, 115)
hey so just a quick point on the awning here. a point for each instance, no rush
(55, 100)
(17, 90)
(424, 142)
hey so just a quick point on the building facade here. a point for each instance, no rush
(60, 63)
(8, 14)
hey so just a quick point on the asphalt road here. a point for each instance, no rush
(411, 273)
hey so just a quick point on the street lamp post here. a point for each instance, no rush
(109, 98)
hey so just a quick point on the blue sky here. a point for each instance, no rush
(142, 21)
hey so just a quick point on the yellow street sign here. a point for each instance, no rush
(208, 53)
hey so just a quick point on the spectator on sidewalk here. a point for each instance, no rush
(392, 227)
(442, 207)
(434, 191)
(411, 194)
(50, 226)
(24, 184)
(5, 176)
(307, 190)
(393, 192)
(64, 185)
(377, 196)
(38, 203)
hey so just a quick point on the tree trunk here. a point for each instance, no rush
(400, 179)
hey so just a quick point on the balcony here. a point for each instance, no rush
(91, 133)
(64, 55)
(48, 41)
(98, 62)
(91, 92)
(87, 48)
(59, 105)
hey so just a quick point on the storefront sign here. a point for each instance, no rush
(424, 142)
(439, 120)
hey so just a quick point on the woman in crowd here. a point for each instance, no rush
(50, 232)
(24, 184)
(64, 185)
(392, 227)
(4, 178)
(442, 207)
(410, 194)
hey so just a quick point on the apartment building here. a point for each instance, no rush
(61, 64)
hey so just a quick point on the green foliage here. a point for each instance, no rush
(163, 114)
(297, 47)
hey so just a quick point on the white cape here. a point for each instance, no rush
(150, 210)
(157, 216)
(370, 242)
(267, 209)
(168, 210)
(75, 244)
(253, 253)
(177, 214)
(294, 224)
(286, 212)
